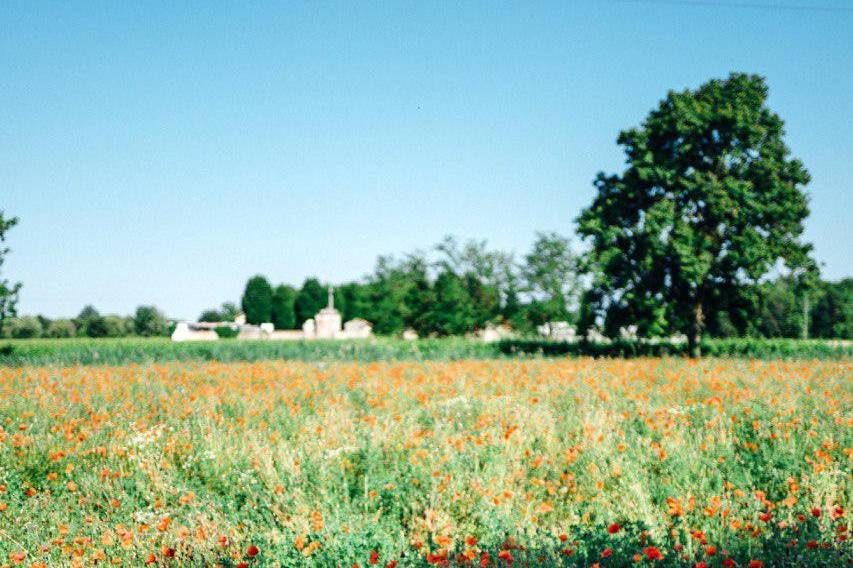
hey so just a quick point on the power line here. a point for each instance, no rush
(748, 5)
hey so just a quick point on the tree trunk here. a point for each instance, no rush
(694, 338)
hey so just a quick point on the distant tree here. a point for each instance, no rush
(8, 290)
(354, 300)
(90, 323)
(310, 299)
(117, 326)
(148, 321)
(257, 300)
(780, 314)
(419, 307)
(832, 314)
(211, 316)
(229, 311)
(550, 276)
(25, 327)
(61, 328)
(283, 313)
(484, 301)
(709, 204)
(452, 312)
(491, 276)
(389, 291)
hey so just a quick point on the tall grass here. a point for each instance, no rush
(146, 350)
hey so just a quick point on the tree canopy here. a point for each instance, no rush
(8, 290)
(257, 300)
(709, 203)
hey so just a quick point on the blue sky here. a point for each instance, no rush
(164, 152)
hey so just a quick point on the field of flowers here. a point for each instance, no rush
(485, 463)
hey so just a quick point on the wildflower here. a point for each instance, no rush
(756, 564)
(652, 553)
(614, 528)
(607, 553)
(728, 563)
(374, 557)
(816, 512)
(252, 551)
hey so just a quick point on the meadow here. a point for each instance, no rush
(554, 462)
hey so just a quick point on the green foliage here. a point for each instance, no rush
(312, 297)
(283, 313)
(25, 327)
(8, 290)
(117, 326)
(148, 321)
(61, 328)
(549, 273)
(90, 323)
(832, 315)
(257, 300)
(228, 312)
(119, 351)
(450, 310)
(226, 331)
(710, 202)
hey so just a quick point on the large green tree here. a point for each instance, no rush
(710, 201)
(148, 321)
(312, 297)
(549, 272)
(283, 314)
(8, 290)
(257, 300)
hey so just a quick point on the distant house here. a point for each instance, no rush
(325, 325)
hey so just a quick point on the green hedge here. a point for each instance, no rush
(740, 347)
(119, 351)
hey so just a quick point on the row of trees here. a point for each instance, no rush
(458, 289)
(452, 289)
(146, 321)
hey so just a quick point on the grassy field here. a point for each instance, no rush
(483, 463)
(122, 351)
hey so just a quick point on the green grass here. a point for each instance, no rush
(83, 351)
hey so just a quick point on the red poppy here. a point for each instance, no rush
(652, 553)
(392, 564)
(701, 564)
(816, 512)
(728, 563)
(607, 553)
(374, 557)
(614, 528)
(756, 564)
(252, 551)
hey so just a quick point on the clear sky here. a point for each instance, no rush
(164, 152)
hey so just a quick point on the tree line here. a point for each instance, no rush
(701, 233)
